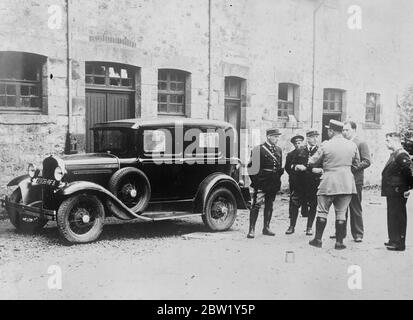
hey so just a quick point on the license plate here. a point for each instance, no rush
(43, 181)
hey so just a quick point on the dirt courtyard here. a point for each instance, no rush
(180, 260)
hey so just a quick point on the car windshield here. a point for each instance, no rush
(114, 141)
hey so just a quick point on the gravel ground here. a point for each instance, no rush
(180, 260)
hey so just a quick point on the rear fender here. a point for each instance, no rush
(85, 186)
(213, 181)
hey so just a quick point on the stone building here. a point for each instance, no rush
(295, 64)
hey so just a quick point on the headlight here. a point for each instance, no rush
(31, 170)
(58, 174)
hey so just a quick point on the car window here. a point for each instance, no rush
(154, 141)
(114, 141)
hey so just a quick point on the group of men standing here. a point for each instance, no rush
(329, 174)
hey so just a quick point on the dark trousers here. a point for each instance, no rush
(356, 217)
(262, 198)
(308, 204)
(397, 219)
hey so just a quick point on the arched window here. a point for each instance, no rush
(21, 81)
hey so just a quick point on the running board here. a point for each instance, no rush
(159, 216)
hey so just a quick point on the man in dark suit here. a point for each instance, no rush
(303, 180)
(355, 208)
(296, 180)
(265, 170)
(395, 186)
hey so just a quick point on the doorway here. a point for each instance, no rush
(110, 95)
(233, 101)
(102, 106)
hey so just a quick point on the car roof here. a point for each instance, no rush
(159, 122)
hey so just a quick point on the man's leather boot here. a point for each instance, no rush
(253, 221)
(319, 229)
(267, 219)
(341, 226)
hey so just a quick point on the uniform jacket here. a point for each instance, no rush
(397, 174)
(336, 156)
(265, 169)
(364, 163)
(290, 162)
(311, 180)
(305, 181)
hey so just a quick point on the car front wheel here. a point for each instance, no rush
(24, 224)
(80, 218)
(220, 210)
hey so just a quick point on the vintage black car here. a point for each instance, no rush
(140, 169)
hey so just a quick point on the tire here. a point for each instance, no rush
(132, 187)
(220, 210)
(23, 224)
(80, 218)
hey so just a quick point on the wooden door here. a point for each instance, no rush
(233, 116)
(104, 106)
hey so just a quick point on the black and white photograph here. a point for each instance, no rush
(230, 151)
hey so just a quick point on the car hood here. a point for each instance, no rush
(90, 160)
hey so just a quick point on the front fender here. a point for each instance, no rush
(83, 186)
(17, 180)
(215, 180)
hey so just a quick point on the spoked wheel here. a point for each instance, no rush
(130, 193)
(220, 210)
(22, 223)
(80, 218)
(131, 186)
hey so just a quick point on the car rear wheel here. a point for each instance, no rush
(132, 187)
(80, 218)
(24, 224)
(220, 210)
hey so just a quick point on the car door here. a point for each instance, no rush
(161, 163)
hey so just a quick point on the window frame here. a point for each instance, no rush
(332, 100)
(376, 108)
(287, 108)
(18, 83)
(107, 78)
(168, 92)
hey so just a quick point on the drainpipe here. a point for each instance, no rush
(209, 57)
(70, 144)
(314, 51)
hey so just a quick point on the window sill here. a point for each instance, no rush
(30, 111)
(165, 114)
(284, 123)
(18, 118)
(371, 125)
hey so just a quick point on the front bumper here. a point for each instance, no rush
(29, 211)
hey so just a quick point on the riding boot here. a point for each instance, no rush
(310, 221)
(253, 220)
(340, 234)
(293, 218)
(319, 229)
(267, 219)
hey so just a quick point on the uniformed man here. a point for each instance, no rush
(336, 157)
(265, 170)
(296, 180)
(395, 186)
(311, 179)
